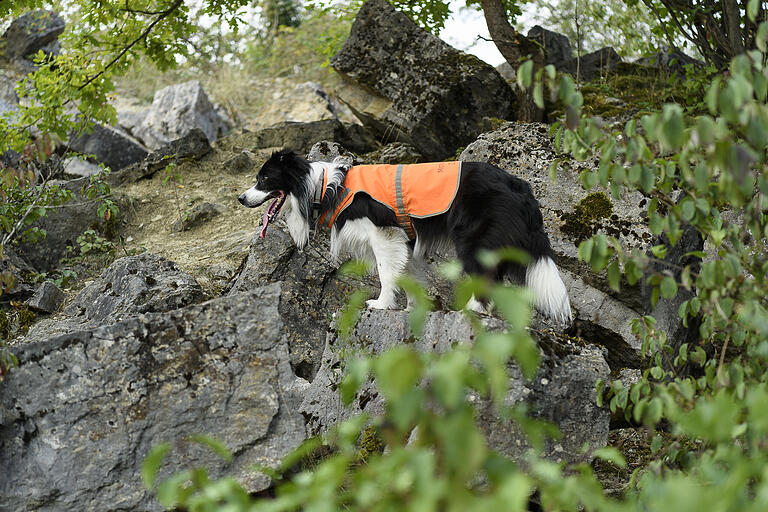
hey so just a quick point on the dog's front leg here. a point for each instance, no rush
(389, 246)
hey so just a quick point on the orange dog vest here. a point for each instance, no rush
(415, 190)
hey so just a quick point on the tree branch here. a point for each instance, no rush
(162, 15)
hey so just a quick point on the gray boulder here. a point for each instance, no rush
(406, 85)
(133, 285)
(671, 60)
(311, 290)
(302, 136)
(80, 413)
(571, 215)
(563, 391)
(65, 223)
(47, 298)
(35, 30)
(79, 167)
(109, 146)
(175, 111)
(592, 65)
(665, 311)
(9, 100)
(557, 46)
(15, 271)
(193, 146)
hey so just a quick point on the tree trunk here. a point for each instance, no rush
(515, 48)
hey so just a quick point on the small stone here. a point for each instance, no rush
(200, 214)
(47, 298)
(240, 163)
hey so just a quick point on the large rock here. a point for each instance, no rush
(557, 46)
(9, 100)
(311, 290)
(109, 146)
(671, 60)
(592, 65)
(192, 146)
(563, 392)
(133, 285)
(572, 215)
(65, 223)
(406, 85)
(35, 30)
(666, 310)
(284, 100)
(175, 111)
(80, 413)
(302, 136)
(17, 274)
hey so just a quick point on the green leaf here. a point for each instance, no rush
(612, 455)
(538, 94)
(656, 444)
(152, 463)
(215, 445)
(668, 287)
(397, 371)
(525, 74)
(614, 275)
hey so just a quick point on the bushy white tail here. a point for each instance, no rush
(550, 295)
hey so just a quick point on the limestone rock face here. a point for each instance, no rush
(109, 146)
(563, 391)
(285, 101)
(80, 413)
(9, 100)
(300, 137)
(64, 224)
(145, 283)
(406, 85)
(175, 111)
(572, 215)
(311, 289)
(34, 31)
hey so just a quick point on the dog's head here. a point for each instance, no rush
(283, 174)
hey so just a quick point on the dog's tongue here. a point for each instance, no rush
(268, 215)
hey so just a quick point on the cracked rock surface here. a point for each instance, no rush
(82, 410)
(563, 392)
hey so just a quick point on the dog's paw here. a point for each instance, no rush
(379, 304)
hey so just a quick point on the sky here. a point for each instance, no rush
(466, 25)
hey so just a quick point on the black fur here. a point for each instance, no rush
(492, 209)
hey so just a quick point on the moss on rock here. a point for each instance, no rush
(370, 443)
(586, 216)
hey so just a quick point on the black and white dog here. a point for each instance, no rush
(490, 210)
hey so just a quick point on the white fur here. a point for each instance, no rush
(361, 238)
(254, 197)
(298, 226)
(550, 295)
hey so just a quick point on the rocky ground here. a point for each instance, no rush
(187, 323)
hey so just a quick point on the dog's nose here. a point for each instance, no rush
(242, 198)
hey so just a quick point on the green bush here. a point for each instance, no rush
(713, 418)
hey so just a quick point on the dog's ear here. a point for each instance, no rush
(286, 155)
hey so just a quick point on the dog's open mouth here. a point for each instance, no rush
(272, 210)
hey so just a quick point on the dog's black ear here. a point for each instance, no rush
(286, 155)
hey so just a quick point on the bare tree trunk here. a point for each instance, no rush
(515, 48)
(733, 27)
